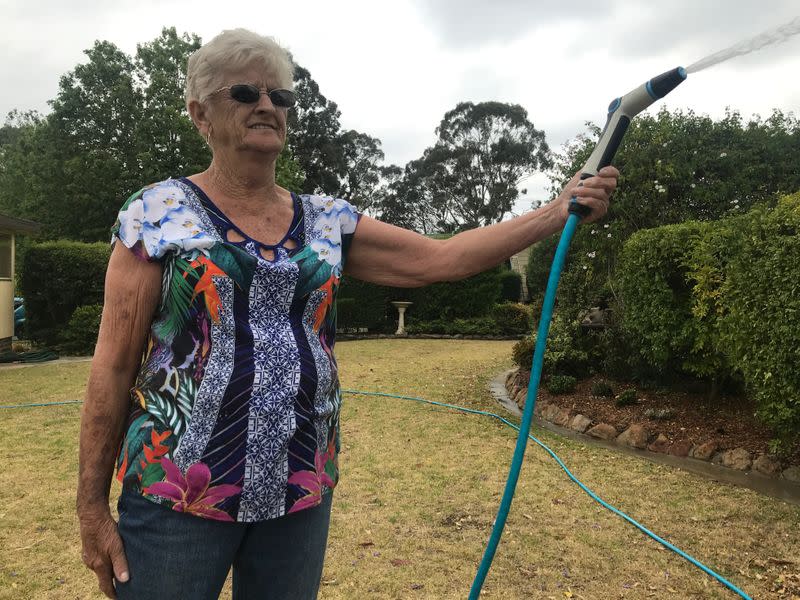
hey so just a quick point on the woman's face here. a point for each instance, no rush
(239, 127)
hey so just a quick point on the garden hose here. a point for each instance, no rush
(519, 429)
(620, 112)
(35, 356)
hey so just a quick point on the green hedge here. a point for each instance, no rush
(80, 334)
(759, 330)
(55, 279)
(511, 318)
(510, 286)
(668, 281)
(362, 304)
(471, 297)
(721, 300)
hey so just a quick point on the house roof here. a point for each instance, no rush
(15, 224)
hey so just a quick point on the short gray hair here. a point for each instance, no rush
(233, 50)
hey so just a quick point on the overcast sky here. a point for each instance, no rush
(394, 68)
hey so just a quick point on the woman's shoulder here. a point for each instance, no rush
(162, 217)
(329, 209)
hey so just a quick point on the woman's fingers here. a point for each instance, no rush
(104, 553)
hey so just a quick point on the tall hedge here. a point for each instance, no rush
(371, 304)
(722, 299)
(760, 329)
(361, 304)
(56, 278)
(663, 276)
(471, 297)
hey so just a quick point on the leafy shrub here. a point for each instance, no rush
(80, 334)
(563, 354)
(473, 326)
(522, 352)
(660, 274)
(471, 297)
(758, 330)
(561, 384)
(540, 258)
(510, 286)
(511, 318)
(626, 398)
(360, 304)
(602, 388)
(55, 279)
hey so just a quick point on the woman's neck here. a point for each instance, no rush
(251, 178)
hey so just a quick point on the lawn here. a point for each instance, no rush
(419, 491)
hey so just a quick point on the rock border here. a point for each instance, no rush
(643, 436)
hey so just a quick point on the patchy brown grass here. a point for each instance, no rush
(420, 488)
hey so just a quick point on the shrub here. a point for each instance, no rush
(511, 318)
(540, 258)
(473, 326)
(602, 388)
(472, 297)
(758, 330)
(55, 279)
(627, 397)
(360, 304)
(660, 274)
(563, 355)
(561, 384)
(80, 334)
(510, 286)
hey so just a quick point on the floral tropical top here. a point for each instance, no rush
(235, 410)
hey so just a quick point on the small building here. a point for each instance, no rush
(10, 227)
(519, 263)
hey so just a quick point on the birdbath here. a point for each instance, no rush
(401, 309)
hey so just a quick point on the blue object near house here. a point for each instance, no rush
(19, 315)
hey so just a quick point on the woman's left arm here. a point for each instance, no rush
(389, 255)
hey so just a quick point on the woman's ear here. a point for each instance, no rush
(199, 114)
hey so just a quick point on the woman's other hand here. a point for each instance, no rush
(102, 550)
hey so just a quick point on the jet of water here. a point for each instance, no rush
(768, 38)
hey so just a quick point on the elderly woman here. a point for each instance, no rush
(214, 382)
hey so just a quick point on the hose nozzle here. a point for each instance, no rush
(622, 110)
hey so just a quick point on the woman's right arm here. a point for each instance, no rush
(132, 294)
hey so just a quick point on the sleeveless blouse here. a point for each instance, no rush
(235, 409)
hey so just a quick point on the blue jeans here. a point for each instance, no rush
(172, 555)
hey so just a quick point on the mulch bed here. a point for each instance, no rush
(730, 420)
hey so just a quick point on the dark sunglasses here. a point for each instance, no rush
(250, 94)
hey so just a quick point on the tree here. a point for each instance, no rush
(314, 136)
(117, 124)
(362, 175)
(483, 152)
(93, 127)
(169, 144)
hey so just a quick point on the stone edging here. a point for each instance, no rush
(639, 436)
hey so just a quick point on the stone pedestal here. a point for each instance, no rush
(401, 310)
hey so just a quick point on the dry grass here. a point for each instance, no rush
(420, 488)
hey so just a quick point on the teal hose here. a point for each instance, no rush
(525, 425)
(530, 401)
(583, 486)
